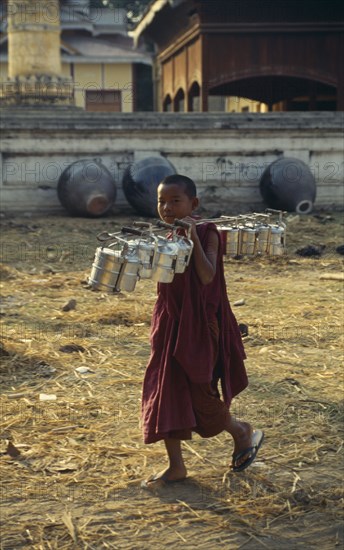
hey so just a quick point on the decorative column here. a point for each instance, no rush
(34, 60)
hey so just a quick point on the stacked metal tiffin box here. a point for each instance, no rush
(140, 252)
(253, 234)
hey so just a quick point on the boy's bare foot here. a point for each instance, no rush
(170, 475)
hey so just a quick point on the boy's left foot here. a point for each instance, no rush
(166, 477)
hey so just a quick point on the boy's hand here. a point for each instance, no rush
(205, 261)
(192, 222)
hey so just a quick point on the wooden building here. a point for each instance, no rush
(281, 55)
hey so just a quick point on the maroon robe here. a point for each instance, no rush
(182, 350)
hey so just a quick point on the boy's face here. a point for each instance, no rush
(174, 203)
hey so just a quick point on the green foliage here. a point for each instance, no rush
(134, 8)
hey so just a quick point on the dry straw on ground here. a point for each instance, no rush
(72, 456)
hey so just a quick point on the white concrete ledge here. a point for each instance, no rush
(225, 153)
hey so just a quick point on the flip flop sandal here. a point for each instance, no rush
(257, 440)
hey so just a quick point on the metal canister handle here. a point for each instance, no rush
(184, 225)
(142, 224)
(180, 223)
(165, 225)
(132, 231)
(105, 236)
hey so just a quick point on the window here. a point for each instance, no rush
(167, 105)
(109, 101)
(179, 101)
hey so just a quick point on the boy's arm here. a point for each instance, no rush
(204, 260)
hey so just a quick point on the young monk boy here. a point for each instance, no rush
(195, 344)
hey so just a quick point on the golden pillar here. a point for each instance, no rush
(34, 60)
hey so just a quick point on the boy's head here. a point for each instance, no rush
(188, 185)
(177, 198)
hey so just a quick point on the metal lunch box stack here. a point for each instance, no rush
(253, 234)
(140, 254)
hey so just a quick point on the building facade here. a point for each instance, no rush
(106, 72)
(267, 55)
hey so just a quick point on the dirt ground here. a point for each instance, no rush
(71, 452)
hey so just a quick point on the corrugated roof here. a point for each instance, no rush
(90, 48)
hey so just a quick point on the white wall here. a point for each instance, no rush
(224, 153)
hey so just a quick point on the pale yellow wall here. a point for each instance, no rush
(102, 77)
(79, 98)
(119, 77)
(241, 104)
(91, 76)
(86, 77)
(65, 69)
(3, 71)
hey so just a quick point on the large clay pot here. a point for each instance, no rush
(141, 180)
(87, 188)
(288, 184)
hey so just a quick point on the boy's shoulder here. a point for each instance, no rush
(206, 225)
